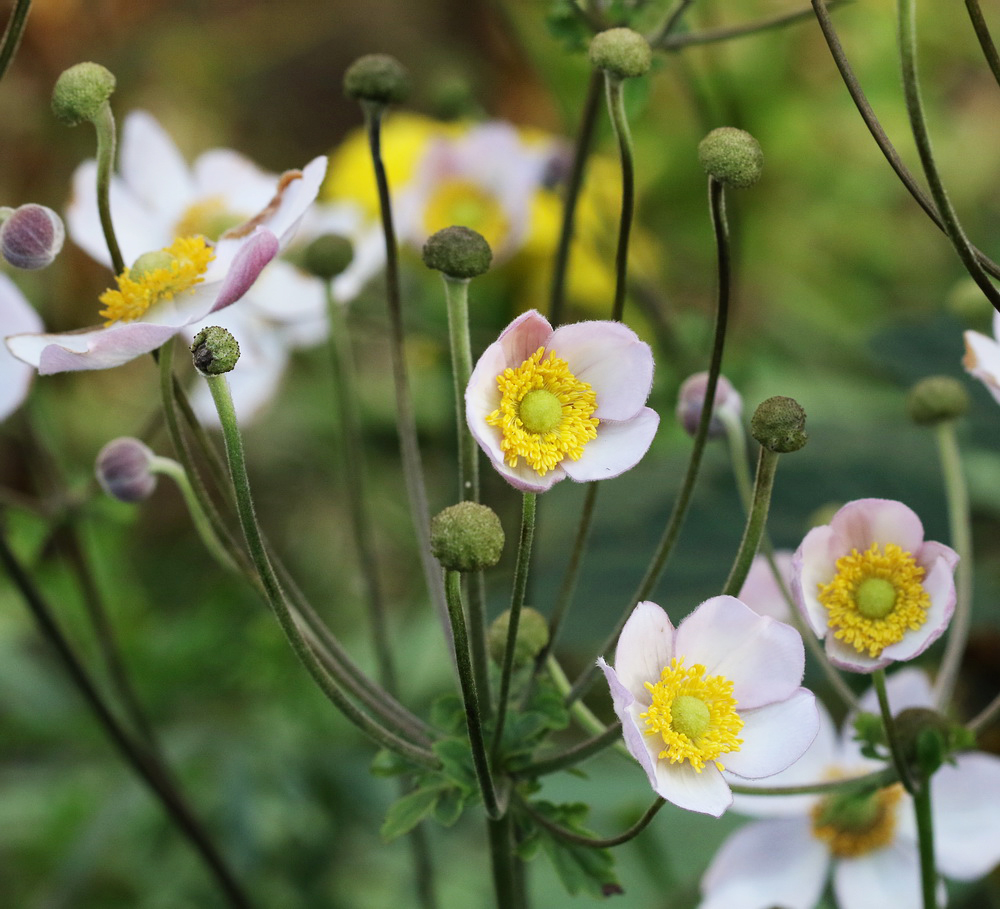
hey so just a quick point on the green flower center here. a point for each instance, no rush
(540, 411)
(853, 824)
(689, 715)
(875, 598)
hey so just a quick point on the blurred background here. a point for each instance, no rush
(845, 295)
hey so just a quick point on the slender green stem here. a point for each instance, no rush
(676, 42)
(767, 464)
(574, 755)
(616, 108)
(275, 596)
(985, 716)
(467, 681)
(581, 151)
(585, 718)
(457, 297)
(877, 779)
(821, 9)
(12, 34)
(405, 416)
(925, 844)
(142, 761)
(507, 880)
(595, 842)
(104, 125)
(960, 523)
(520, 585)
(985, 39)
(898, 758)
(682, 502)
(670, 24)
(345, 392)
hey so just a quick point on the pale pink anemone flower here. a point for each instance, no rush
(16, 315)
(547, 404)
(721, 692)
(212, 277)
(786, 859)
(982, 357)
(871, 585)
(761, 590)
(727, 406)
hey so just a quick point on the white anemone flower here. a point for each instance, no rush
(16, 315)
(721, 692)
(869, 847)
(982, 357)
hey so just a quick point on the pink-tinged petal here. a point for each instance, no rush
(526, 478)
(844, 656)
(635, 739)
(814, 765)
(16, 316)
(645, 648)
(617, 448)
(766, 864)
(930, 552)
(865, 521)
(610, 358)
(95, 348)
(523, 337)
(761, 591)
(763, 658)
(259, 249)
(706, 792)
(940, 585)
(775, 736)
(982, 360)
(813, 564)
(966, 820)
(888, 877)
(153, 169)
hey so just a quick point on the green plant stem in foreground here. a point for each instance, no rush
(877, 779)
(898, 759)
(767, 464)
(616, 108)
(140, 759)
(12, 34)
(470, 697)
(960, 525)
(925, 844)
(985, 39)
(596, 842)
(219, 388)
(104, 125)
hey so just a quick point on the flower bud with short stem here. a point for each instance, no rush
(31, 236)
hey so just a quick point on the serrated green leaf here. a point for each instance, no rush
(456, 762)
(406, 812)
(449, 806)
(448, 713)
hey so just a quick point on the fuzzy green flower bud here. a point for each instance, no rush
(458, 252)
(327, 256)
(215, 351)
(936, 399)
(731, 156)
(467, 537)
(532, 636)
(779, 424)
(621, 52)
(81, 91)
(123, 470)
(377, 77)
(30, 236)
(926, 739)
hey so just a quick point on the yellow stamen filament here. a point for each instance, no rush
(855, 825)
(875, 598)
(544, 413)
(695, 716)
(184, 265)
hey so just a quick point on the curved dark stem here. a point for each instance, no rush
(878, 134)
(985, 39)
(595, 842)
(715, 35)
(574, 755)
(13, 33)
(137, 757)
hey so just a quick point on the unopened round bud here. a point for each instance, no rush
(936, 399)
(691, 400)
(458, 252)
(81, 91)
(924, 737)
(377, 77)
(621, 52)
(779, 424)
(466, 537)
(215, 351)
(31, 236)
(731, 156)
(327, 256)
(123, 470)
(532, 636)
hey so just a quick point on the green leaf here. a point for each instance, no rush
(456, 762)
(406, 812)
(449, 806)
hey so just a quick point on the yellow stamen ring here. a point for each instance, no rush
(544, 413)
(157, 276)
(854, 825)
(695, 716)
(875, 598)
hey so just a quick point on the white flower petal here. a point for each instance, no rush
(763, 658)
(865, 521)
(888, 877)
(645, 648)
(706, 792)
(244, 187)
(635, 739)
(813, 564)
(16, 316)
(761, 591)
(774, 736)
(966, 820)
(617, 448)
(766, 864)
(982, 360)
(153, 169)
(95, 348)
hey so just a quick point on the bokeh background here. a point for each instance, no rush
(846, 294)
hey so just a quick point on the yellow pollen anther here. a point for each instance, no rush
(157, 276)
(875, 597)
(853, 825)
(544, 413)
(695, 716)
